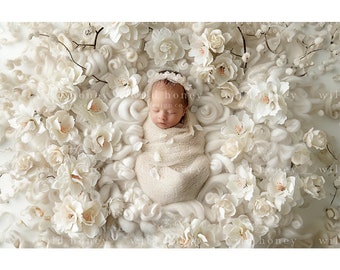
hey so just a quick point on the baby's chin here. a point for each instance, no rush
(162, 125)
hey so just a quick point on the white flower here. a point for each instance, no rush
(164, 46)
(227, 93)
(215, 38)
(76, 175)
(261, 206)
(200, 234)
(90, 109)
(63, 94)
(301, 155)
(27, 123)
(267, 101)
(67, 216)
(61, 127)
(225, 206)
(280, 187)
(239, 233)
(314, 186)
(225, 69)
(243, 183)
(123, 83)
(92, 218)
(316, 139)
(101, 140)
(55, 155)
(23, 164)
(200, 50)
(232, 146)
(205, 73)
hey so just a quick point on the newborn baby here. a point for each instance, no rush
(173, 166)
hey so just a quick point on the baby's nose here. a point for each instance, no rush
(162, 116)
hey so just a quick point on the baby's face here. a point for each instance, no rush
(166, 106)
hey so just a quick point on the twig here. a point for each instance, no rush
(84, 45)
(266, 40)
(244, 44)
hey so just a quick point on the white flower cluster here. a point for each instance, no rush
(72, 106)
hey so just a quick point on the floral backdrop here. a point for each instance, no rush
(72, 108)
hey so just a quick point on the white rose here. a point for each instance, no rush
(216, 40)
(64, 95)
(61, 127)
(314, 186)
(262, 207)
(55, 155)
(301, 155)
(164, 46)
(23, 164)
(316, 139)
(232, 147)
(227, 92)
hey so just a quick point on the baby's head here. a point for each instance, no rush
(168, 101)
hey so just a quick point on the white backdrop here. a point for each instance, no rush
(72, 108)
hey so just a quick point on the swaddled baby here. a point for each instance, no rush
(172, 166)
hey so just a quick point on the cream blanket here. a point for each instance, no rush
(173, 166)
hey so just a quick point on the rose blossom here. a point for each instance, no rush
(215, 39)
(301, 155)
(239, 233)
(61, 127)
(232, 147)
(314, 186)
(124, 84)
(242, 184)
(164, 46)
(227, 93)
(225, 69)
(63, 94)
(199, 49)
(101, 140)
(316, 139)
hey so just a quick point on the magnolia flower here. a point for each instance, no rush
(92, 218)
(76, 175)
(27, 123)
(205, 73)
(90, 109)
(280, 187)
(225, 206)
(316, 139)
(267, 101)
(239, 126)
(101, 141)
(124, 84)
(242, 184)
(164, 46)
(314, 186)
(239, 233)
(67, 216)
(126, 34)
(61, 127)
(199, 234)
(225, 69)
(200, 50)
(227, 93)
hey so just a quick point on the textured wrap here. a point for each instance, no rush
(173, 166)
